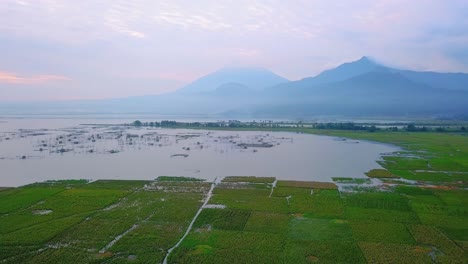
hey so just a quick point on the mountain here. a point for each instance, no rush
(254, 78)
(449, 81)
(340, 73)
(364, 87)
(232, 89)
(373, 83)
(359, 88)
(346, 71)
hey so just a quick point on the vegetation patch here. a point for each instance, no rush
(457, 234)
(222, 219)
(239, 200)
(378, 200)
(62, 255)
(453, 197)
(116, 184)
(324, 251)
(443, 221)
(385, 232)
(413, 190)
(307, 184)
(380, 173)
(178, 179)
(66, 203)
(290, 191)
(229, 246)
(251, 179)
(148, 242)
(320, 229)
(43, 232)
(15, 199)
(431, 236)
(363, 214)
(352, 180)
(241, 191)
(85, 219)
(394, 253)
(268, 222)
(323, 203)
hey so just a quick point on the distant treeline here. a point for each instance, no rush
(346, 126)
(372, 128)
(218, 124)
(270, 124)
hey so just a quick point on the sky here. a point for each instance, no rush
(93, 49)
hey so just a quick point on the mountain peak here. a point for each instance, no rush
(347, 70)
(365, 59)
(255, 78)
(242, 69)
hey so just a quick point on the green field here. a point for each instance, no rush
(75, 222)
(254, 220)
(326, 226)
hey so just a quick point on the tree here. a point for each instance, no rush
(372, 129)
(137, 123)
(411, 127)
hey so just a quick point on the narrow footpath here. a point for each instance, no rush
(207, 199)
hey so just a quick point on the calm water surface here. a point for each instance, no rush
(33, 150)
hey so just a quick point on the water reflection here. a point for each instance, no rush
(123, 152)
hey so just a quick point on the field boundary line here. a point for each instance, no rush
(207, 199)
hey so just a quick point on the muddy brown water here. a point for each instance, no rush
(34, 150)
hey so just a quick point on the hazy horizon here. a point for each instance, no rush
(85, 50)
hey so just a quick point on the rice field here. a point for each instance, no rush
(103, 221)
(250, 219)
(324, 226)
(252, 222)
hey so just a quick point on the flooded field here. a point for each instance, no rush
(36, 150)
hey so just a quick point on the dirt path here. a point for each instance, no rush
(207, 199)
(273, 187)
(117, 238)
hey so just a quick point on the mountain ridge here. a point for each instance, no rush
(358, 88)
(253, 77)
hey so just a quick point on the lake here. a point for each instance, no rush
(33, 150)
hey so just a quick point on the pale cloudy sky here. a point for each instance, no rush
(69, 49)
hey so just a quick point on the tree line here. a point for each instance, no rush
(270, 124)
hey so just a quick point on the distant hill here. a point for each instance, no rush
(232, 89)
(451, 81)
(359, 88)
(365, 88)
(375, 83)
(345, 71)
(254, 78)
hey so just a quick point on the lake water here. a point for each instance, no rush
(33, 150)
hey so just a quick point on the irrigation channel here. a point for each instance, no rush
(207, 199)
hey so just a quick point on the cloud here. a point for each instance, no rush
(96, 42)
(247, 52)
(186, 21)
(13, 78)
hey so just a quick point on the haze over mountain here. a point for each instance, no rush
(364, 87)
(345, 71)
(358, 88)
(256, 79)
(118, 49)
(451, 81)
